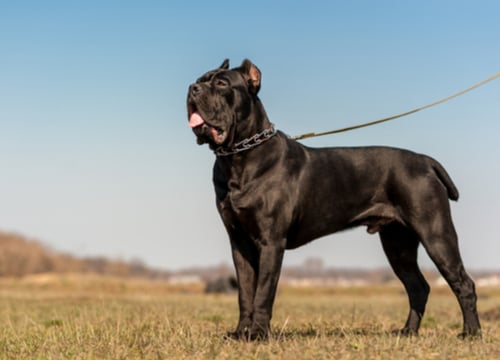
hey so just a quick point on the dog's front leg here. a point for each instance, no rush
(270, 260)
(245, 258)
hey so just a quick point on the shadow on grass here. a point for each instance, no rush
(339, 332)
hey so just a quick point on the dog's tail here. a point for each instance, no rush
(446, 180)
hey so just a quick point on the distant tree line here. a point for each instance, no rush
(20, 256)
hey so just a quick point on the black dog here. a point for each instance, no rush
(273, 194)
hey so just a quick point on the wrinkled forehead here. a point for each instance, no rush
(232, 76)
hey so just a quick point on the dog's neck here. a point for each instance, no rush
(259, 131)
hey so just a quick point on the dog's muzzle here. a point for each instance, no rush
(202, 129)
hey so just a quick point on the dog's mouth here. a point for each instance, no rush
(205, 132)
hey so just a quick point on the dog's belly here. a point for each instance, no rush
(375, 218)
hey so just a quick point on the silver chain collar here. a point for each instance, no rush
(248, 143)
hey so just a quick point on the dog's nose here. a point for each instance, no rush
(195, 89)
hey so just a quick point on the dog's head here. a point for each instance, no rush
(222, 104)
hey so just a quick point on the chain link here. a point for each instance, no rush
(248, 143)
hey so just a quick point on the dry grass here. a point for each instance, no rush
(115, 319)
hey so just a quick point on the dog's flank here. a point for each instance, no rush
(280, 194)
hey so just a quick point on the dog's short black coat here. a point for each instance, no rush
(281, 194)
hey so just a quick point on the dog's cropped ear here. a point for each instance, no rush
(251, 74)
(225, 65)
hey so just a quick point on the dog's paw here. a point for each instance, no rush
(247, 334)
(232, 336)
(240, 334)
(470, 335)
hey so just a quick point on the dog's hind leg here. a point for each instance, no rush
(400, 246)
(437, 234)
(443, 250)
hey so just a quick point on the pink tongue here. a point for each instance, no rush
(195, 120)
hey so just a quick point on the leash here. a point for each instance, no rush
(378, 121)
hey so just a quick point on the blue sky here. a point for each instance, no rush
(97, 158)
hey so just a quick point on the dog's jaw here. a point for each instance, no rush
(205, 132)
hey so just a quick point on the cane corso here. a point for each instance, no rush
(274, 193)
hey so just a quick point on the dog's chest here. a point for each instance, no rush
(235, 202)
(238, 203)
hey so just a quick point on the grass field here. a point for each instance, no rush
(94, 318)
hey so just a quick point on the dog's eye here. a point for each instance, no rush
(221, 83)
